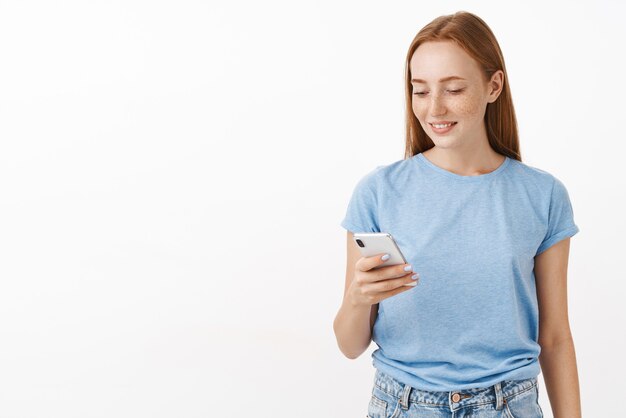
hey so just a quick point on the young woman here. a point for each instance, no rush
(486, 237)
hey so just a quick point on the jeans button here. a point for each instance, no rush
(456, 397)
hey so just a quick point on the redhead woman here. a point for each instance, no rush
(464, 328)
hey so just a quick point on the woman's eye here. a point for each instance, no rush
(421, 93)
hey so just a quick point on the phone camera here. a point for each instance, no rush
(358, 241)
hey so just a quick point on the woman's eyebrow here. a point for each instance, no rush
(452, 77)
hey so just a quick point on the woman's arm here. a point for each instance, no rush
(557, 357)
(353, 325)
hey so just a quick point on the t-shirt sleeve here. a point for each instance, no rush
(362, 214)
(560, 219)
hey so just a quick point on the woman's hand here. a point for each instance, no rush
(371, 285)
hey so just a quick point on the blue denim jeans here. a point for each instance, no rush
(505, 399)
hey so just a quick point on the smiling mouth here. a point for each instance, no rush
(441, 126)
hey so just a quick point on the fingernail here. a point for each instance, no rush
(415, 276)
(408, 268)
(385, 257)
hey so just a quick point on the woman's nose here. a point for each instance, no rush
(437, 106)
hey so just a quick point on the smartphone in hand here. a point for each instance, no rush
(372, 243)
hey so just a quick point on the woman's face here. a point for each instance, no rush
(461, 101)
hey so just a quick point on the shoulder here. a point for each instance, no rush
(385, 174)
(533, 176)
(396, 173)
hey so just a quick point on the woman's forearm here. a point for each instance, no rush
(352, 329)
(560, 374)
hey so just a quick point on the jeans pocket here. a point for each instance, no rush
(377, 408)
(523, 404)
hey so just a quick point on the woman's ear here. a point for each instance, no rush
(495, 85)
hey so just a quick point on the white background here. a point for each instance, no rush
(173, 175)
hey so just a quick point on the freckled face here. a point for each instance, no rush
(461, 101)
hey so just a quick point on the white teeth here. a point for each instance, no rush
(442, 126)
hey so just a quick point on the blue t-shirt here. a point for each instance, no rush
(472, 320)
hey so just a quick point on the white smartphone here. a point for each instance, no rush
(372, 243)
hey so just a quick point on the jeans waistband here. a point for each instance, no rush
(496, 394)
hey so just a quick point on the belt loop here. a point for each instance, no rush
(498, 391)
(404, 400)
